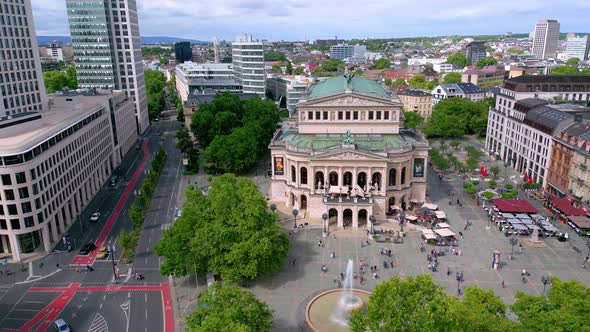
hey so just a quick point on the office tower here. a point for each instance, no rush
(183, 52)
(546, 39)
(577, 47)
(475, 51)
(21, 80)
(107, 49)
(248, 62)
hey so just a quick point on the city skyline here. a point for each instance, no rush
(373, 20)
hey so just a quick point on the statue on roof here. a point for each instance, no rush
(348, 139)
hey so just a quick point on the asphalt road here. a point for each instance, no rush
(89, 301)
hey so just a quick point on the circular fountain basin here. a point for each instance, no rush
(319, 311)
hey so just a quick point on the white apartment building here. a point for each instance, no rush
(521, 125)
(248, 64)
(292, 88)
(53, 163)
(457, 90)
(107, 49)
(577, 47)
(55, 51)
(426, 61)
(546, 39)
(21, 82)
(205, 77)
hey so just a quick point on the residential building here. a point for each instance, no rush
(248, 64)
(445, 68)
(546, 39)
(488, 74)
(183, 52)
(457, 90)
(417, 101)
(197, 98)
(22, 86)
(579, 181)
(521, 125)
(48, 64)
(53, 163)
(290, 88)
(348, 155)
(577, 47)
(329, 42)
(565, 142)
(349, 53)
(475, 51)
(426, 61)
(107, 49)
(202, 77)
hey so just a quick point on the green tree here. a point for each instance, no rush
(298, 71)
(572, 61)
(399, 82)
(566, 70)
(58, 80)
(227, 308)
(155, 81)
(515, 51)
(236, 152)
(155, 51)
(455, 144)
(183, 140)
(233, 234)
(136, 215)
(452, 78)
(382, 63)
(458, 59)
(277, 69)
(275, 55)
(486, 62)
(289, 68)
(411, 304)
(456, 117)
(412, 119)
(565, 308)
(388, 82)
(164, 61)
(418, 81)
(495, 170)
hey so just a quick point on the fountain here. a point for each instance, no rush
(330, 310)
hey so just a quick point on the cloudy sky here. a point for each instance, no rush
(312, 19)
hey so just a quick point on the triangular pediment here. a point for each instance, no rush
(349, 100)
(348, 155)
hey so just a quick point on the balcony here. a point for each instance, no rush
(347, 200)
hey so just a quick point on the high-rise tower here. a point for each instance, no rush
(546, 39)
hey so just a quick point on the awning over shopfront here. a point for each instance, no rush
(443, 225)
(430, 206)
(428, 234)
(440, 214)
(444, 232)
(582, 222)
(514, 206)
(412, 218)
(564, 205)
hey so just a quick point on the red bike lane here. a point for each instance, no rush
(91, 257)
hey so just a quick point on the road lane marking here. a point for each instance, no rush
(98, 324)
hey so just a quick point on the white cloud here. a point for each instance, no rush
(297, 19)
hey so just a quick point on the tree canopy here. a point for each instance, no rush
(275, 55)
(412, 119)
(154, 86)
(486, 62)
(235, 133)
(456, 117)
(572, 61)
(229, 308)
(155, 51)
(56, 80)
(329, 67)
(458, 59)
(419, 82)
(230, 232)
(570, 70)
(382, 63)
(452, 78)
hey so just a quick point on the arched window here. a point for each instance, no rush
(319, 180)
(303, 175)
(293, 174)
(393, 177)
(333, 178)
(403, 180)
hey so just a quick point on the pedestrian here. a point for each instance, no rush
(294, 260)
(341, 276)
(461, 235)
(391, 264)
(428, 258)
(435, 260)
(334, 236)
(362, 280)
(503, 286)
(458, 201)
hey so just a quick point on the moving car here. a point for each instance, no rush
(61, 325)
(87, 248)
(103, 252)
(95, 217)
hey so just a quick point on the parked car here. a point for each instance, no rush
(87, 248)
(61, 325)
(95, 217)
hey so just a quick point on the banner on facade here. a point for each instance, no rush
(419, 168)
(279, 166)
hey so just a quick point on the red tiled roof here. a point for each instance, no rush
(514, 206)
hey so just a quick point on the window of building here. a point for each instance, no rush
(12, 209)
(340, 115)
(9, 194)
(403, 179)
(293, 174)
(15, 223)
(347, 115)
(26, 207)
(385, 115)
(3, 224)
(303, 175)
(370, 115)
(23, 192)
(20, 177)
(6, 180)
(310, 115)
(378, 115)
(355, 115)
(325, 115)
(318, 115)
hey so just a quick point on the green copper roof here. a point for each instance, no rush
(373, 142)
(338, 84)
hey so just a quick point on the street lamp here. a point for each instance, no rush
(325, 231)
(459, 277)
(546, 280)
(588, 244)
(112, 251)
(372, 219)
(402, 220)
(295, 213)
(513, 242)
